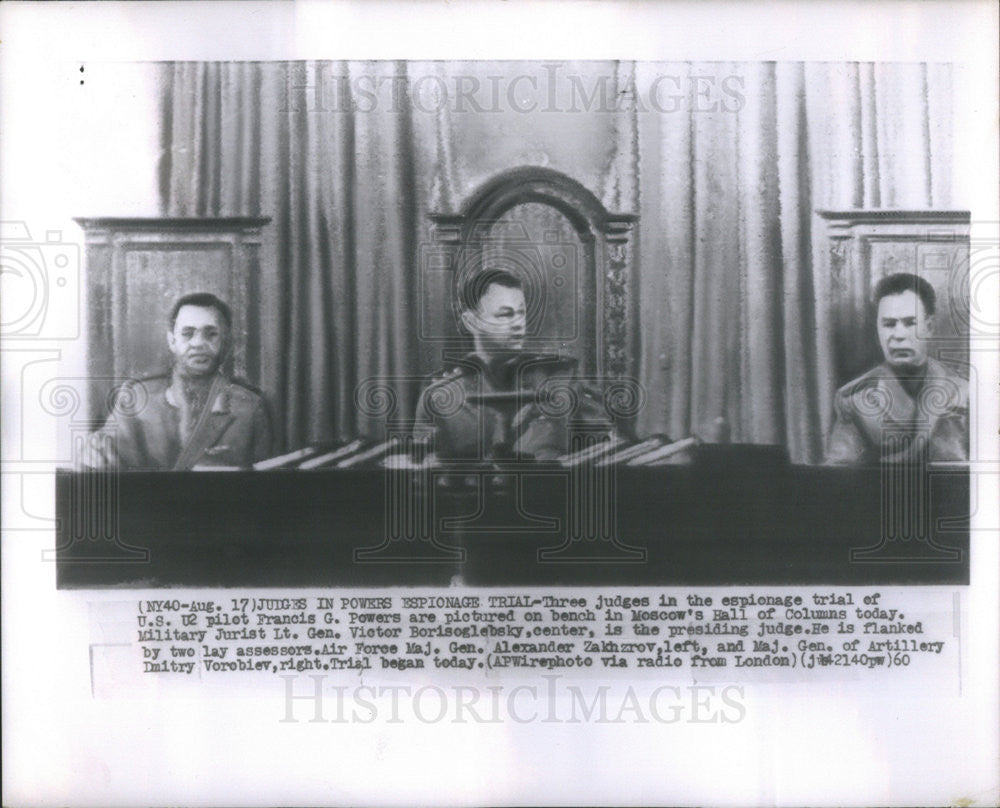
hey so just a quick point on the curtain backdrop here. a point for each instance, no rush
(723, 163)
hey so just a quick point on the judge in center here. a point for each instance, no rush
(455, 410)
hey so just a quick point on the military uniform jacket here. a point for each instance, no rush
(144, 429)
(876, 418)
(555, 403)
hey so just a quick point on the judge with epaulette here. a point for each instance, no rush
(911, 406)
(192, 417)
(500, 401)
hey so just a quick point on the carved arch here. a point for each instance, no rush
(609, 238)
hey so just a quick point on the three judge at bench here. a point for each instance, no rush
(909, 406)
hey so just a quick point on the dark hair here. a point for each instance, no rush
(476, 285)
(204, 300)
(900, 282)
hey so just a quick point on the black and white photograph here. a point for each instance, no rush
(630, 316)
(361, 343)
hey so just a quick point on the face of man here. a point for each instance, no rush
(197, 341)
(497, 324)
(903, 326)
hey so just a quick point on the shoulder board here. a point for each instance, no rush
(567, 362)
(954, 370)
(447, 374)
(238, 382)
(550, 361)
(551, 357)
(868, 379)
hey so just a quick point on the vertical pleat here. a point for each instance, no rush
(840, 186)
(716, 287)
(337, 200)
(872, 172)
(761, 287)
(167, 87)
(795, 310)
(940, 122)
(269, 174)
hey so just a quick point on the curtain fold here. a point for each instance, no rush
(725, 172)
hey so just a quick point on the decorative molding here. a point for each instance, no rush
(611, 236)
(446, 228)
(247, 224)
(849, 218)
(839, 247)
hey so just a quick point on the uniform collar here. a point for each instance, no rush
(501, 371)
(512, 360)
(219, 406)
(904, 405)
(931, 370)
(485, 364)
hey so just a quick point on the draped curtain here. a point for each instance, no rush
(723, 163)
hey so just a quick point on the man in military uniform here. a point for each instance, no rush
(910, 403)
(194, 416)
(501, 401)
